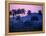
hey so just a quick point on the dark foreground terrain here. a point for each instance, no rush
(32, 22)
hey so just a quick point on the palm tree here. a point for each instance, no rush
(29, 12)
(13, 12)
(40, 12)
(10, 13)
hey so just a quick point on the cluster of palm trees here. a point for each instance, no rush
(18, 11)
(21, 11)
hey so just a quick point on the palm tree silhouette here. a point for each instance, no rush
(40, 12)
(29, 12)
(10, 13)
(13, 12)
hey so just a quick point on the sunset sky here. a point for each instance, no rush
(33, 8)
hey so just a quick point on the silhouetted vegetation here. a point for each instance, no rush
(29, 12)
(18, 18)
(13, 12)
(18, 11)
(22, 11)
(40, 12)
(25, 23)
(10, 13)
(34, 18)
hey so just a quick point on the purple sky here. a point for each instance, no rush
(33, 8)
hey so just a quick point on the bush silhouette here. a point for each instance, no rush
(18, 11)
(18, 18)
(22, 11)
(34, 18)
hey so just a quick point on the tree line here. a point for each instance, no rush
(20, 11)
